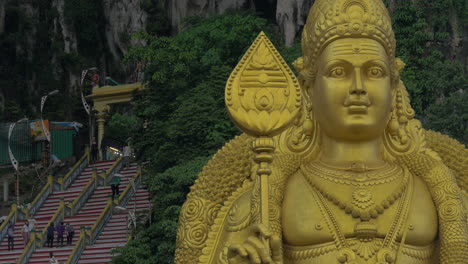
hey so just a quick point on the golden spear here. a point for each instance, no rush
(263, 98)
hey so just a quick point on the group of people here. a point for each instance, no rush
(28, 226)
(51, 229)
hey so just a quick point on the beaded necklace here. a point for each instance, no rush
(362, 198)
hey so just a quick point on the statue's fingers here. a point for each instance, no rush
(262, 230)
(253, 255)
(275, 243)
(260, 248)
(236, 250)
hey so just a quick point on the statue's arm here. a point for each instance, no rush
(451, 208)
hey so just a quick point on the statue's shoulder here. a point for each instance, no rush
(225, 173)
(452, 154)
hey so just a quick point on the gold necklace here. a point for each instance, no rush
(362, 198)
(386, 174)
(365, 246)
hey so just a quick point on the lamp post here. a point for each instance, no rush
(44, 129)
(86, 106)
(13, 160)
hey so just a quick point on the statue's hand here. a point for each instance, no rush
(254, 250)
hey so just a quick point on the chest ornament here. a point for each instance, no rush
(362, 204)
(365, 245)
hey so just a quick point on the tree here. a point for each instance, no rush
(120, 127)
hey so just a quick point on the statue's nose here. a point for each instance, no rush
(358, 87)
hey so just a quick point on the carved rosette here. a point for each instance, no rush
(262, 94)
(196, 217)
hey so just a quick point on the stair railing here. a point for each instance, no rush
(92, 233)
(131, 189)
(106, 177)
(42, 196)
(75, 171)
(78, 248)
(28, 249)
(102, 220)
(11, 217)
(74, 207)
(61, 185)
(56, 219)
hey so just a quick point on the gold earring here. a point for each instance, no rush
(393, 126)
(308, 125)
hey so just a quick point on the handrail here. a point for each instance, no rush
(78, 248)
(100, 222)
(56, 218)
(3, 227)
(79, 201)
(112, 170)
(28, 250)
(75, 171)
(129, 191)
(88, 190)
(42, 196)
(105, 215)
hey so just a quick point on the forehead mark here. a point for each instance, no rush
(345, 49)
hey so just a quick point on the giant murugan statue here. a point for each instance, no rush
(333, 167)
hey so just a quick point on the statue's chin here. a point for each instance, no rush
(355, 130)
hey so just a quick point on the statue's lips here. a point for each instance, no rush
(357, 109)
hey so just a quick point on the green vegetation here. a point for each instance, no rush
(120, 127)
(429, 76)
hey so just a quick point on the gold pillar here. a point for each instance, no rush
(101, 118)
(50, 181)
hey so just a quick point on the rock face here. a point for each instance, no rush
(124, 17)
(291, 16)
(47, 36)
(2, 16)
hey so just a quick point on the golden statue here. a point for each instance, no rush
(333, 167)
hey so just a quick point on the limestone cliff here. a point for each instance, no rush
(290, 15)
(45, 45)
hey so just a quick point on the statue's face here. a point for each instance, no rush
(352, 94)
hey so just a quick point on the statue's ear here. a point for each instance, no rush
(305, 79)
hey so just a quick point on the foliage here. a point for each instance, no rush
(120, 127)
(450, 116)
(428, 75)
(157, 243)
(183, 105)
(13, 112)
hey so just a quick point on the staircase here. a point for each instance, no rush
(7, 256)
(115, 233)
(47, 210)
(85, 217)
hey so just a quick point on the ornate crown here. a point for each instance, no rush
(330, 20)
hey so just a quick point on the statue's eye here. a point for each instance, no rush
(375, 72)
(338, 72)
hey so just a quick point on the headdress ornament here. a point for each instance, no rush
(330, 20)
